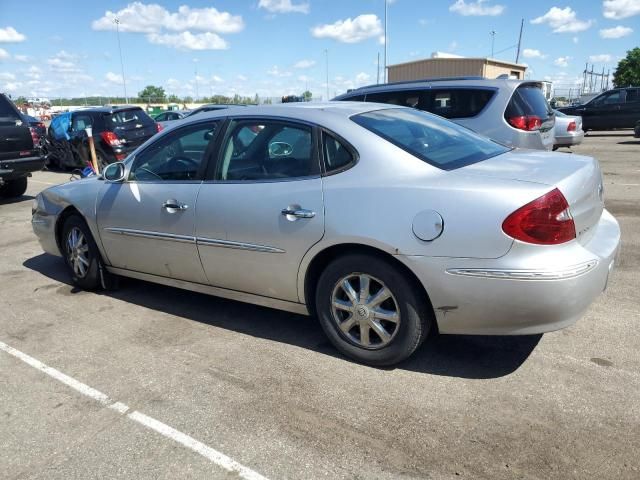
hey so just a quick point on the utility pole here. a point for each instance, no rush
(386, 39)
(124, 82)
(493, 37)
(378, 70)
(519, 41)
(326, 52)
(195, 60)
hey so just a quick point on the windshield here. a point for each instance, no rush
(127, 119)
(437, 141)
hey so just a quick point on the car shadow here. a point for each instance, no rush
(21, 198)
(465, 356)
(630, 142)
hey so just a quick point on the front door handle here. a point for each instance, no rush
(172, 206)
(294, 212)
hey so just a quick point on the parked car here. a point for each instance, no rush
(38, 125)
(568, 130)
(171, 115)
(211, 107)
(637, 130)
(512, 112)
(117, 131)
(19, 155)
(386, 222)
(617, 108)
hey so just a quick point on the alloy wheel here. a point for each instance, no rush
(365, 311)
(78, 252)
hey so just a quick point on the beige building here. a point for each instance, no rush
(454, 67)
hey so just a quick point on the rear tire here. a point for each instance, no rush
(361, 326)
(14, 188)
(80, 253)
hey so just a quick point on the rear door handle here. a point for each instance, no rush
(172, 205)
(293, 213)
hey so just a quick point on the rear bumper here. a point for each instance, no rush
(565, 140)
(20, 167)
(530, 290)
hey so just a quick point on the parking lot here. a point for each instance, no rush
(155, 382)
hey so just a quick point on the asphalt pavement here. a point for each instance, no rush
(155, 382)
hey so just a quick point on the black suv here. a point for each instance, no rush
(116, 131)
(617, 108)
(19, 155)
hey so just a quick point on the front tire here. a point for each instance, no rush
(81, 253)
(370, 311)
(14, 188)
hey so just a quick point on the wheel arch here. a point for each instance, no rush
(315, 264)
(62, 218)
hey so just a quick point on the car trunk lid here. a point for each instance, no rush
(132, 125)
(578, 178)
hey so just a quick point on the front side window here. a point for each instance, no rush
(434, 140)
(177, 156)
(610, 98)
(80, 122)
(267, 150)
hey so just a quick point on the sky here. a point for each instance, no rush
(281, 47)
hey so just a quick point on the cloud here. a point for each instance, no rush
(616, 32)
(304, 64)
(602, 58)
(10, 87)
(152, 18)
(63, 62)
(113, 78)
(476, 9)
(11, 35)
(532, 53)
(562, 61)
(242, 78)
(563, 20)
(189, 41)
(276, 72)
(350, 30)
(33, 72)
(4, 55)
(217, 79)
(618, 9)
(21, 58)
(6, 76)
(283, 6)
(575, 39)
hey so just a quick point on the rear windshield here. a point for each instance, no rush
(437, 141)
(528, 100)
(8, 115)
(127, 119)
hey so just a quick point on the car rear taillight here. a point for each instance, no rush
(159, 127)
(111, 139)
(34, 136)
(545, 221)
(571, 127)
(525, 122)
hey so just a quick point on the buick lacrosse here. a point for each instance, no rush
(385, 222)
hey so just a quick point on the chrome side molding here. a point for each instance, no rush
(569, 272)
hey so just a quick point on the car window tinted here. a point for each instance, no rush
(8, 115)
(80, 121)
(263, 150)
(457, 102)
(438, 142)
(633, 95)
(528, 100)
(127, 119)
(176, 156)
(403, 98)
(336, 154)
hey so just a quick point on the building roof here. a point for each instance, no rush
(462, 59)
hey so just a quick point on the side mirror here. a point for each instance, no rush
(114, 172)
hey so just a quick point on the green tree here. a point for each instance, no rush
(307, 96)
(628, 71)
(173, 98)
(152, 93)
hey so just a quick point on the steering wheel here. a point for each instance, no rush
(182, 163)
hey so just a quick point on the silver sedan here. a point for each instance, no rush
(567, 130)
(385, 222)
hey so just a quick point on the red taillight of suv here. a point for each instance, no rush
(571, 127)
(159, 127)
(34, 136)
(525, 122)
(111, 139)
(545, 221)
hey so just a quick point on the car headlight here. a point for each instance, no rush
(37, 205)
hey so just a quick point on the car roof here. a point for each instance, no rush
(109, 108)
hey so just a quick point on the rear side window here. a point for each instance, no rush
(336, 154)
(632, 95)
(8, 115)
(528, 100)
(127, 119)
(403, 98)
(457, 102)
(434, 140)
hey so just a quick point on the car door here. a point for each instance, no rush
(630, 110)
(147, 223)
(263, 209)
(603, 112)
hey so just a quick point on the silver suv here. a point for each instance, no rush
(512, 112)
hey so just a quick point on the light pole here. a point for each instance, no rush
(326, 52)
(386, 12)
(124, 82)
(493, 37)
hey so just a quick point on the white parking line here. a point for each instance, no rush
(216, 457)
